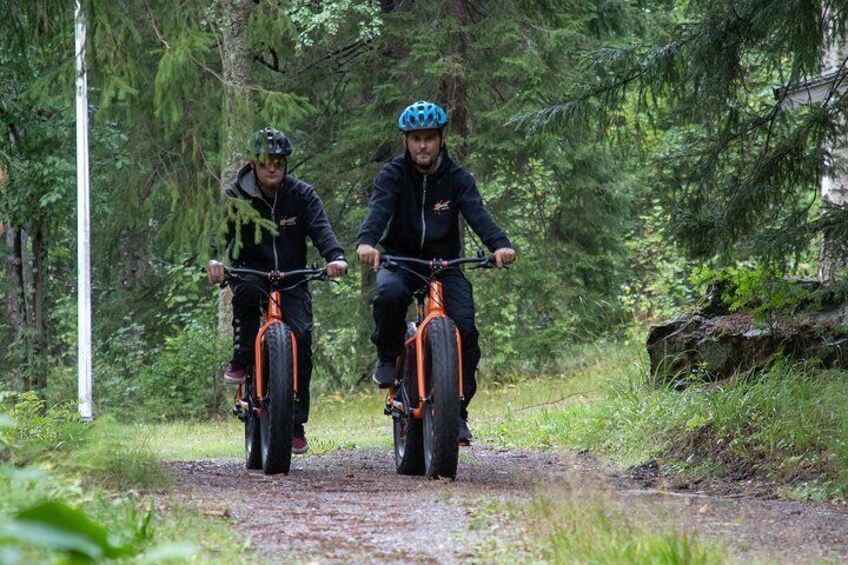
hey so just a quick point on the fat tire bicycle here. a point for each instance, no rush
(265, 401)
(425, 400)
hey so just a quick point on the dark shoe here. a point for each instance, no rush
(464, 436)
(299, 443)
(235, 374)
(385, 373)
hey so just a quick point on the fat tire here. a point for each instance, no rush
(409, 445)
(252, 433)
(407, 431)
(278, 405)
(442, 409)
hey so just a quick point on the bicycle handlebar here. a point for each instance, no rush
(484, 262)
(277, 276)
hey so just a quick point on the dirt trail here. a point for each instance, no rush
(350, 507)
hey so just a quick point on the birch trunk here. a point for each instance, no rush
(833, 254)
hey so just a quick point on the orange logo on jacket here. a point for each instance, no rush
(441, 206)
(286, 222)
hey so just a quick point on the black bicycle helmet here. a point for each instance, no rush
(269, 141)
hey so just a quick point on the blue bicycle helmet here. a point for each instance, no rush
(422, 115)
(269, 141)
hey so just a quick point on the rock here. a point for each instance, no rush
(714, 344)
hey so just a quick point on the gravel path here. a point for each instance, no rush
(351, 507)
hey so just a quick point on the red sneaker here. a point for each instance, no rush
(299, 443)
(235, 374)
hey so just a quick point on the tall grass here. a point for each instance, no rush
(590, 528)
(789, 423)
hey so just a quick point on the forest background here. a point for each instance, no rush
(632, 150)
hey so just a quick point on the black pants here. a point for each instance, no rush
(393, 297)
(249, 300)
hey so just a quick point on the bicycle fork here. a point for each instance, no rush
(245, 403)
(435, 309)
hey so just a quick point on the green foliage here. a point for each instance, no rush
(659, 286)
(740, 176)
(38, 429)
(165, 365)
(47, 517)
(334, 76)
(56, 526)
(316, 23)
(761, 289)
(786, 424)
(182, 380)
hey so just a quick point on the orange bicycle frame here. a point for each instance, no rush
(435, 309)
(273, 315)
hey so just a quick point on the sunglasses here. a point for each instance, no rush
(275, 161)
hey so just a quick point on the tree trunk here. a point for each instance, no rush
(13, 266)
(833, 254)
(237, 119)
(38, 369)
(454, 95)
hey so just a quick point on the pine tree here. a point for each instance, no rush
(740, 176)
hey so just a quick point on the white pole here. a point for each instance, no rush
(83, 223)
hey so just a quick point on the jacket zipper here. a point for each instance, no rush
(423, 225)
(273, 238)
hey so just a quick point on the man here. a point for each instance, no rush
(296, 211)
(414, 212)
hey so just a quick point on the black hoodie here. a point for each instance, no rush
(297, 211)
(417, 215)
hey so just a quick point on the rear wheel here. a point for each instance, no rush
(409, 449)
(252, 437)
(408, 438)
(278, 404)
(442, 408)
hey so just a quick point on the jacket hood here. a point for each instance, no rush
(247, 182)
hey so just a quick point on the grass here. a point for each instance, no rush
(335, 422)
(587, 527)
(788, 425)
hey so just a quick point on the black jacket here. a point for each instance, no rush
(297, 211)
(415, 215)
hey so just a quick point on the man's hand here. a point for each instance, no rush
(215, 270)
(504, 256)
(369, 256)
(336, 268)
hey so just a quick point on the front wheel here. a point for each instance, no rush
(278, 405)
(442, 407)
